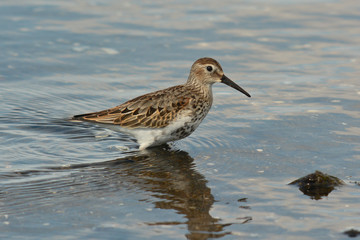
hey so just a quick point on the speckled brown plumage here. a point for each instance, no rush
(154, 110)
(187, 104)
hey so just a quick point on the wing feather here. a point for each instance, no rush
(154, 110)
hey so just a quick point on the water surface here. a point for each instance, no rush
(229, 179)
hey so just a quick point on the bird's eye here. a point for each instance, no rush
(209, 68)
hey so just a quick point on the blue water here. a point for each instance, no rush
(229, 179)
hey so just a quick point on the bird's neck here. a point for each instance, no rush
(205, 90)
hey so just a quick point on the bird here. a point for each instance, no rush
(169, 114)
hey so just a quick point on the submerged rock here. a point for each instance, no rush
(317, 184)
(352, 233)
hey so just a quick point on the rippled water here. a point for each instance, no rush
(59, 179)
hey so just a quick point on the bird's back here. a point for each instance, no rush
(153, 110)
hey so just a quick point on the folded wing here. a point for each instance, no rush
(153, 110)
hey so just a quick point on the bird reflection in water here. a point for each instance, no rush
(170, 177)
(167, 176)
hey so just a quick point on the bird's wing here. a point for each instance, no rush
(153, 110)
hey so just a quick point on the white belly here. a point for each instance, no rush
(148, 137)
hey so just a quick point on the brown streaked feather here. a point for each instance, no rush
(154, 110)
(169, 114)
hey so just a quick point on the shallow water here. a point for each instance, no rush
(229, 179)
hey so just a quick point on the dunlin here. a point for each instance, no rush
(169, 114)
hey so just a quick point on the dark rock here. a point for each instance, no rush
(352, 233)
(317, 185)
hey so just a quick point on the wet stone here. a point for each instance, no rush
(352, 233)
(317, 184)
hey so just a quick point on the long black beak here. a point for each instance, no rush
(227, 81)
